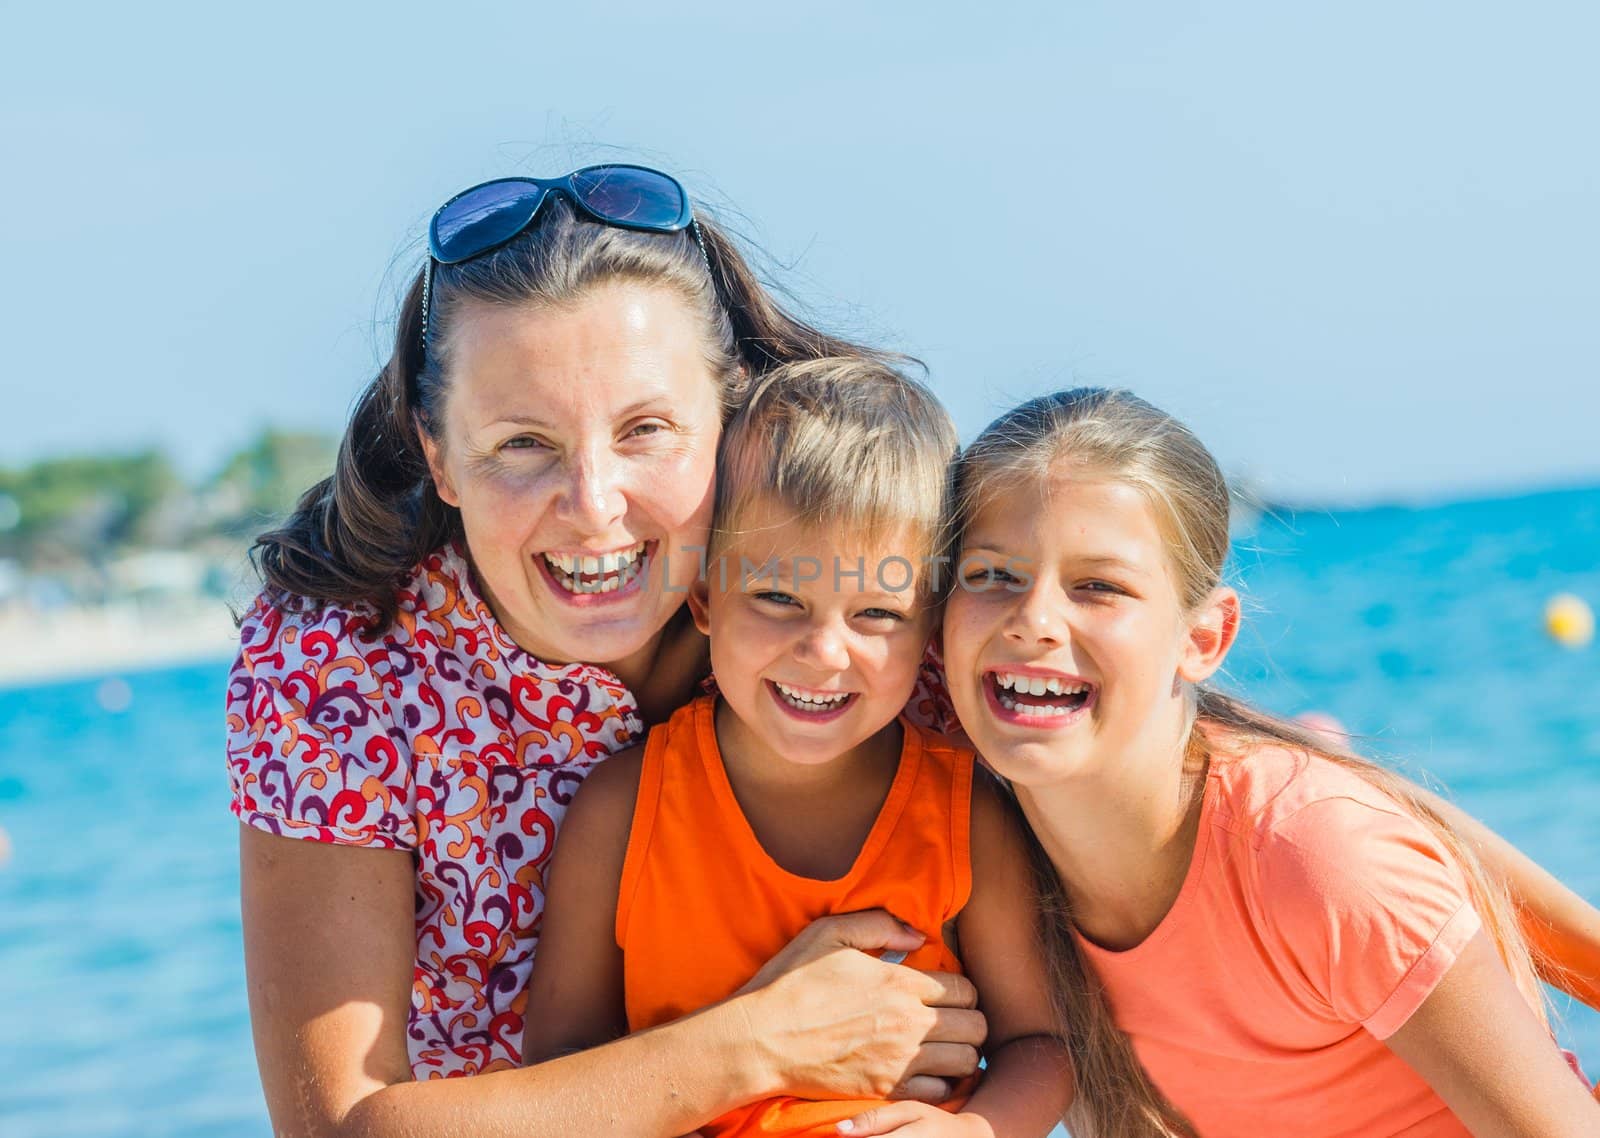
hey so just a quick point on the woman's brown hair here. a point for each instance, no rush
(356, 535)
(1118, 436)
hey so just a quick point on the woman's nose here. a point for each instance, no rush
(593, 499)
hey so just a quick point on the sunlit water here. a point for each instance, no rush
(122, 1007)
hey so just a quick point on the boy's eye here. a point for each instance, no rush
(787, 600)
(882, 614)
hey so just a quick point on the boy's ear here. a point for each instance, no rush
(1211, 634)
(699, 605)
(436, 468)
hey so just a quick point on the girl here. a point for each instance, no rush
(1289, 939)
(798, 792)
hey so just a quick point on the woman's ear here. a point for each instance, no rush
(431, 451)
(1211, 634)
(699, 604)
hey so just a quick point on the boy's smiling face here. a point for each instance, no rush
(812, 656)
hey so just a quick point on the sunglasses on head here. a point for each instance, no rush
(485, 217)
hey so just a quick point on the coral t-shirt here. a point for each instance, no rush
(1315, 918)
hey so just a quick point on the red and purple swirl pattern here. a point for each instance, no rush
(441, 737)
(444, 738)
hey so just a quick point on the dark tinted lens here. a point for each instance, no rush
(627, 195)
(482, 218)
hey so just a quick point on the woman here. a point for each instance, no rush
(524, 485)
(482, 603)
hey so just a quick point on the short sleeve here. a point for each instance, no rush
(313, 751)
(930, 705)
(1367, 907)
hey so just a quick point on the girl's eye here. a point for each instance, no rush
(988, 577)
(1100, 587)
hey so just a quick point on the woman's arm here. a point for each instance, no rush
(329, 953)
(1561, 927)
(1482, 1050)
(1027, 1084)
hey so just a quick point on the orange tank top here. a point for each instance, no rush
(702, 906)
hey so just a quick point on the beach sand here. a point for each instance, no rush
(36, 646)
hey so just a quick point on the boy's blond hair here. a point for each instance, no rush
(848, 445)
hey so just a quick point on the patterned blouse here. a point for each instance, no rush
(443, 738)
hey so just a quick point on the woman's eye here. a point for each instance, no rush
(522, 442)
(641, 430)
(882, 614)
(1100, 587)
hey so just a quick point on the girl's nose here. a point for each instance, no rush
(1036, 619)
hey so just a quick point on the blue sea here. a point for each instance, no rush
(122, 1001)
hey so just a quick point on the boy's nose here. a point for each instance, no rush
(824, 648)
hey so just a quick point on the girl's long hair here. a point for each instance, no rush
(1118, 436)
(355, 536)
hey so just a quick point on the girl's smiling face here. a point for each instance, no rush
(1065, 640)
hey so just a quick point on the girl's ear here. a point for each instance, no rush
(436, 468)
(699, 604)
(1211, 634)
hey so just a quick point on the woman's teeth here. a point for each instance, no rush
(1040, 695)
(606, 573)
(810, 701)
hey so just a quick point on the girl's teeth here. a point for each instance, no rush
(1022, 693)
(1035, 708)
(1039, 685)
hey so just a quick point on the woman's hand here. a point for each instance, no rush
(915, 1120)
(833, 1022)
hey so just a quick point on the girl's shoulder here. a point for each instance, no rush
(1361, 904)
(1266, 790)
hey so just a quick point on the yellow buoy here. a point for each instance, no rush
(1569, 620)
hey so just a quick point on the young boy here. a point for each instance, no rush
(797, 791)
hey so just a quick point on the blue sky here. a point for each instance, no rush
(1354, 245)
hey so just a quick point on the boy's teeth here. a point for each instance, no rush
(809, 701)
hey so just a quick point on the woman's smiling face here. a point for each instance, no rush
(579, 443)
(1065, 638)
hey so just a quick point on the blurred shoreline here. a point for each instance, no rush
(39, 647)
(116, 563)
